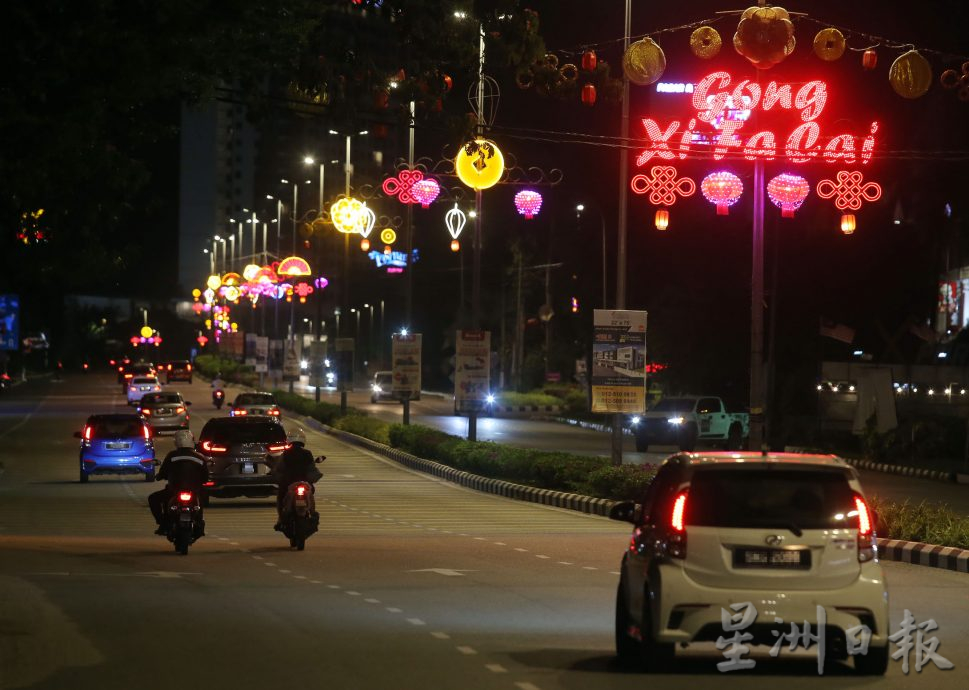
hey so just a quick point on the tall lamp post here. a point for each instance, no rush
(348, 171)
(578, 217)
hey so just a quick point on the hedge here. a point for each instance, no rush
(930, 523)
(325, 412)
(231, 370)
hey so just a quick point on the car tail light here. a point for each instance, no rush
(87, 433)
(238, 413)
(185, 496)
(128, 376)
(119, 368)
(147, 413)
(189, 367)
(277, 447)
(147, 433)
(274, 413)
(156, 388)
(301, 490)
(169, 367)
(111, 362)
(867, 541)
(210, 447)
(209, 483)
(676, 540)
(179, 410)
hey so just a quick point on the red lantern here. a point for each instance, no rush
(589, 94)
(723, 189)
(788, 192)
(848, 223)
(387, 249)
(364, 244)
(448, 82)
(869, 59)
(455, 246)
(589, 60)
(662, 219)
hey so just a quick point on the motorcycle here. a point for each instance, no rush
(299, 518)
(218, 397)
(185, 523)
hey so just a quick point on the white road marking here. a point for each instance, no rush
(589, 567)
(376, 515)
(443, 571)
(614, 572)
(222, 538)
(467, 650)
(234, 543)
(351, 593)
(271, 565)
(480, 539)
(284, 572)
(372, 601)
(416, 621)
(527, 686)
(447, 531)
(538, 555)
(496, 668)
(334, 586)
(297, 577)
(258, 558)
(316, 582)
(393, 609)
(566, 563)
(518, 548)
(500, 543)
(441, 635)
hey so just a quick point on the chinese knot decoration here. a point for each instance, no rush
(849, 191)
(528, 203)
(425, 191)
(402, 186)
(787, 192)
(304, 290)
(723, 189)
(662, 185)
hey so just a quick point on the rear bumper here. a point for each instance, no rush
(94, 464)
(173, 423)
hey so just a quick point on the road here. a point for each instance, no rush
(410, 583)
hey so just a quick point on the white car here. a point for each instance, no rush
(786, 535)
(139, 385)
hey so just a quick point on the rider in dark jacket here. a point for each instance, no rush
(296, 464)
(185, 469)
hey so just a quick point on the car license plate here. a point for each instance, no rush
(772, 558)
(248, 468)
(117, 446)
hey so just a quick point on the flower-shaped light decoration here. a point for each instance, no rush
(426, 191)
(455, 219)
(320, 283)
(345, 214)
(528, 202)
(723, 189)
(787, 192)
(304, 290)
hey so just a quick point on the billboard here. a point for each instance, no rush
(619, 361)
(406, 355)
(472, 370)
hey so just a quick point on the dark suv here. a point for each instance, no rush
(178, 370)
(243, 451)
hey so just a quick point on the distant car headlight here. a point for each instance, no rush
(675, 420)
(376, 388)
(635, 421)
(304, 364)
(330, 377)
(490, 399)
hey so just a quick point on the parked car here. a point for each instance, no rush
(243, 450)
(254, 404)
(164, 411)
(116, 444)
(786, 533)
(689, 420)
(138, 386)
(178, 370)
(382, 387)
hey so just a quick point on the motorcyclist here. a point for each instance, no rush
(185, 469)
(296, 464)
(217, 383)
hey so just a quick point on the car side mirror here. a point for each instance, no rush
(320, 459)
(625, 511)
(188, 402)
(78, 434)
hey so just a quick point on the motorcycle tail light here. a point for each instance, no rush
(274, 413)
(301, 490)
(185, 496)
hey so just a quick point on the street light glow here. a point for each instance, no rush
(333, 131)
(308, 160)
(403, 331)
(580, 207)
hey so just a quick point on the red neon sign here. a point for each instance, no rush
(717, 123)
(662, 185)
(849, 190)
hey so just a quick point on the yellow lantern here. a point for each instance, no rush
(213, 282)
(250, 271)
(829, 44)
(705, 42)
(644, 62)
(345, 214)
(910, 75)
(208, 323)
(196, 293)
(146, 331)
(479, 164)
(231, 293)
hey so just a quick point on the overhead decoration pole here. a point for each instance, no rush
(478, 219)
(409, 228)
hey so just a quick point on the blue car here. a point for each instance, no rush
(116, 444)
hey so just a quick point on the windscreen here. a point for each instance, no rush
(385, 379)
(674, 405)
(255, 399)
(117, 428)
(770, 498)
(260, 432)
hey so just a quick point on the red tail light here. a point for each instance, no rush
(179, 410)
(87, 433)
(210, 447)
(119, 368)
(277, 447)
(111, 362)
(147, 433)
(867, 542)
(274, 413)
(679, 505)
(147, 413)
(219, 394)
(676, 541)
(301, 490)
(185, 496)
(189, 367)
(209, 483)
(239, 413)
(85, 365)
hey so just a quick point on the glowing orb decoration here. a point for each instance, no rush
(662, 185)
(365, 244)
(388, 236)
(528, 202)
(293, 266)
(723, 189)
(232, 279)
(345, 214)
(787, 192)
(366, 219)
(849, 190)
(213, 282)
(480, 164)
(196, 293)
(765, 36)
(426, 191)
(387, 250)
(231, 293)
(402, 185)
(320, 283)
(209, 295)
(455, 246)
(146, 331)
(250, 271)
(455, 220)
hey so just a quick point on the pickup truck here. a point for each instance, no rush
(688, 420)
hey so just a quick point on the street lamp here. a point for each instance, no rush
(578, 217)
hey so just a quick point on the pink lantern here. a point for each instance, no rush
(723, 189)
(788, 192)
(528, 203)
(425, 191)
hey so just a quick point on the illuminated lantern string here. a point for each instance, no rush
(528, 202)
(723, 189)
(788, 192)
(426, 191)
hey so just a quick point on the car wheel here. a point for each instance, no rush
(688, 439)
(656, 656)
(873, 663)
(735, 438)
(84, 477)
(627, 649)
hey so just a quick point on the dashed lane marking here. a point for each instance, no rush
(466, 650)
(416, 621)
(496, 668)
(441, 635)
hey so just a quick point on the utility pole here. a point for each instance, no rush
(478, 218)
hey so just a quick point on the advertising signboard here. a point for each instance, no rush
(472, 370)
(9, 322)
(276, 350)
(262, 354)
(290, 361)
(232, 346)
(619, 361)
(406, 355)
(317, 361)
(344, 364)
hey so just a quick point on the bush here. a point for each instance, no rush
(324, 412)
(368, 427)
(623, 483)
(422, 441)
(210, 365)
(538, 399)
(930, 523)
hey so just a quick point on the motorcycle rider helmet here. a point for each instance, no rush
(296, 436)
(184, 439)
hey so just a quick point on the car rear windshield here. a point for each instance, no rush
(674, 405)
(255, 399)
(117, 428)
(248, 432)
(178, 365)
(804, 499)
(161, 399)
(144, 380)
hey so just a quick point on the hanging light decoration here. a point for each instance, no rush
(454, 220)
(344, 214)
(869, 59)
(479, 164)
(848, 223)
(723, 189)
(589, 94)
(213, 282)
(662, 218)
(589, 60)
(293, 266)
(366, 219)
(528, 202)
(303, 290)
(250, 271)
(787, 192)
(426, 191)
(365, 244)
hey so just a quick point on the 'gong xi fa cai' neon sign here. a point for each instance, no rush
(725, 107)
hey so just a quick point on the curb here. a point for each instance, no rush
(512, 409)
(917, 553)
(590, 425)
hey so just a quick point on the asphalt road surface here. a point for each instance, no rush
(410, 583)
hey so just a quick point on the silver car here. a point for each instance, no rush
(165, 411)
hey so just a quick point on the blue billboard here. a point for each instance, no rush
(9, 322)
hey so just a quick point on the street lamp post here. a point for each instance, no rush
(292, 304)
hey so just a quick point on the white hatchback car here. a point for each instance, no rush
(139, 385)
(788, 536)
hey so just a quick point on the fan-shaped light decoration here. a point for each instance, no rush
(232, 279)
(723, 189)
(293, 266)
(765, 36)
(455, 220)
(528, 202)
(345, 214)
(479, 164)
(829, 44)
(644, 62)
(705, 42)
(787, 192)
(213, 282)
(910, 75)
(848, 223)
(426, 191)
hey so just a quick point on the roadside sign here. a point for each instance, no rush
(344, 364)
(9, 322)
(262, 354)
(290, 361)
(619, 361)
(317, 358)
(406, 355)
(472, 370)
